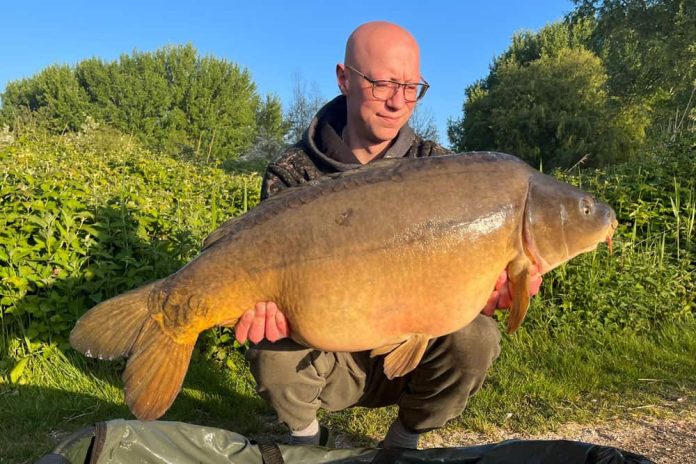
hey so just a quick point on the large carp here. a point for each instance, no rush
(380, 258)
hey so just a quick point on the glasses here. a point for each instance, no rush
(386, 89)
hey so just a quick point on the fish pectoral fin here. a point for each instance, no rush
(405, 357)
(518, 272)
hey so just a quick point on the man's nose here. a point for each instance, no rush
(397, 100)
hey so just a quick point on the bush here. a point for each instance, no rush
(90, 215)
(649, 279)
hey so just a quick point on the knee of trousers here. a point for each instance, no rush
(287, 380)
(482, 333)
(453, 369)
(465, 356)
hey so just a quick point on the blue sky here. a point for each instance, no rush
(275, 40)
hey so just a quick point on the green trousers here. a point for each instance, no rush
(296, 381)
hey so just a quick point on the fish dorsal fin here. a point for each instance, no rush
(405, 357)
(298, 195)
(228, 227)
(518, 272)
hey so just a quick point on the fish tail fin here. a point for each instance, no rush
(122, 326)
(110, 329)
(155, 371)
(519, 276)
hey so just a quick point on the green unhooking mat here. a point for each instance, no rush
(121, 441)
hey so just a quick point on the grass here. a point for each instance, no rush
(541, 380)
(59, 393)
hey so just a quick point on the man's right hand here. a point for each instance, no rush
(264, 321)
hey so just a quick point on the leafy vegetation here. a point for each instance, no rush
(172, 100)
(592, 89)
(89, 215)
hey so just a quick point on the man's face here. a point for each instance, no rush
(376, 121)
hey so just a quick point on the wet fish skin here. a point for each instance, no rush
(381, 258)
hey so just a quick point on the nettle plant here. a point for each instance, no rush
(79, 225)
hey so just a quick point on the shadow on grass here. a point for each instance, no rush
(55, 395)
(36, 418)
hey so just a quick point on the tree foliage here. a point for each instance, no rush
(306, 101)
(172, 99)
(600, 83)
(648, 49)
(546, 100)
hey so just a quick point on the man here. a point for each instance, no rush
(380, 83)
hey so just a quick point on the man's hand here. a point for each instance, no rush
(502, 294)
(264, 321)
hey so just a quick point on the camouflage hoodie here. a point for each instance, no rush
(315, 155)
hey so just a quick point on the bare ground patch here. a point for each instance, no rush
(669, 439)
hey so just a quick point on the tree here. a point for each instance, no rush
(553, 111)
(172, 99)
(648, 49)
(53, 93)
(304, 105)
(423, 123)
(269, 139)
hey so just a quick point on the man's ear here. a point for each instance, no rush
(342, 78)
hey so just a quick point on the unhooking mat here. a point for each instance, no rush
(131, 441)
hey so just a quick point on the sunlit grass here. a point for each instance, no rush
(542, 380)
(59, 393)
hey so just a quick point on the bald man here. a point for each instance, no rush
(380, 83)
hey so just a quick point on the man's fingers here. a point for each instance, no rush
(271, 327)
(504, 299)
(534, 280)
(241, 330)
(282, 324)
(276, 324)
(258, 325)
(534, 285)
(491, 304)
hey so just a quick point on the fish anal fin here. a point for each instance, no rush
(518, 273)
(155, 372)
(383, 350)
(405, 357)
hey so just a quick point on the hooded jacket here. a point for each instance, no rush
(316, 154)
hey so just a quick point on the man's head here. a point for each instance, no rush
(380, 51)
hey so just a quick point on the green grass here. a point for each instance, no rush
(59, 393)
(541, 380)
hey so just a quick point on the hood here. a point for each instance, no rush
(323, 140)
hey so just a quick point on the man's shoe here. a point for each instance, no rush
(327, 437)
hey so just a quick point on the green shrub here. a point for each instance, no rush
(91, 215)
(650, 276)
(87, 216)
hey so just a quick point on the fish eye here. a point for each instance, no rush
(586, 206)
